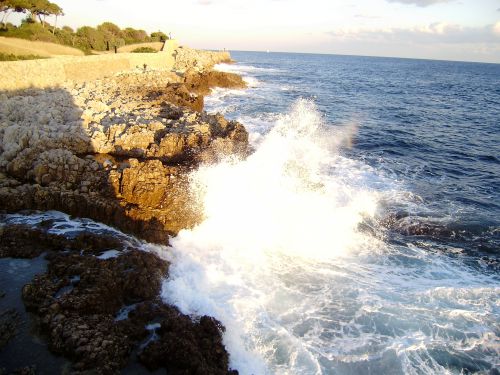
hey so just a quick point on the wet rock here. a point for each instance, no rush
(17, 241)
(79, 298)
(28, 370)
(186, 348)
(202, 82)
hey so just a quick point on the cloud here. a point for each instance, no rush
(430, 34)
(420, 3)
(435, 41)
(367, 16)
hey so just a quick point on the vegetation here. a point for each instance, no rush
(35, 8)
(104, 37)
(144, 50)
(12, 57)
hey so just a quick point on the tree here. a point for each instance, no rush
(112, 34)
(9, 6)
(37, 8)
(158, 36)
(57, 11)
(90, 38)
(132, 35)
(110, 28)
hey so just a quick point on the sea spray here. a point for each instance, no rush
(294, 201)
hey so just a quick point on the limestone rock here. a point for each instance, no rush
(117, 150)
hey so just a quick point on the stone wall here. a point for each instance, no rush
(18, 75)
(15, 75)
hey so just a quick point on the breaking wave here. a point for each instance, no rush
(291, 260)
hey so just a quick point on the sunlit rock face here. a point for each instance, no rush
(117, 150)
(120, 150)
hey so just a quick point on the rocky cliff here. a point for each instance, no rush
(118, 150)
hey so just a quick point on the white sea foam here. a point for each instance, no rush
(274, 208)
(63, 225)
(240, 68)
(281, 261)
(215, 102)
(109, 254)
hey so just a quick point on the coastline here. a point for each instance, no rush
(117, 150)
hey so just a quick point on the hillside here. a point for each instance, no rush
(18, 46)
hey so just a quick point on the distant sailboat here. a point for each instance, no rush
(267, 51)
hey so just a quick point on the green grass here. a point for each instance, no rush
(12, 57)
(144, 50)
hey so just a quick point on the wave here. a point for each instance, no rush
(282, 259)
(238, 68)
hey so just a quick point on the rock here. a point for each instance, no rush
(187, 59)
(81, 323)
(89, 146)
(120, 151)
(201, 82)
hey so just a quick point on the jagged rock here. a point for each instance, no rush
(201, 82)
(117, 150)
(97, 311)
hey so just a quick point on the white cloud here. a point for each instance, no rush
(434, 41)
(420, 3)
(432, 33)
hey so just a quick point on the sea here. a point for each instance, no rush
(362, 233)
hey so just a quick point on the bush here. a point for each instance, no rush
(86, 38)
(158, 36)
(12, 57)
(144, 50)
(30, 31)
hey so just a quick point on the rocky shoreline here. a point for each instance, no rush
(119, 151)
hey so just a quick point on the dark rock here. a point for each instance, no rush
(81, 323)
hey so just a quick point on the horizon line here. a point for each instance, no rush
(354, 55)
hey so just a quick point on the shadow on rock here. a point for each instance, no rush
(118, 151)
(110, 151)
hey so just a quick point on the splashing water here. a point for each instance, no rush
(281, 261)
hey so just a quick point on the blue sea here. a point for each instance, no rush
(362, 235)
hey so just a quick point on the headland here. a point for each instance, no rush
(112, 138)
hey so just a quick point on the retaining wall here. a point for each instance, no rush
(16, 75)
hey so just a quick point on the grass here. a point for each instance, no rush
(17, 46)
(12, 57)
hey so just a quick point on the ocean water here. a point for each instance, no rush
(362, 235)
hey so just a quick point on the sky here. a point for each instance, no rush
(467, 30)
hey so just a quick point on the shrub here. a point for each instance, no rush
(144, 50)
(30, 31)
(12, 57)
